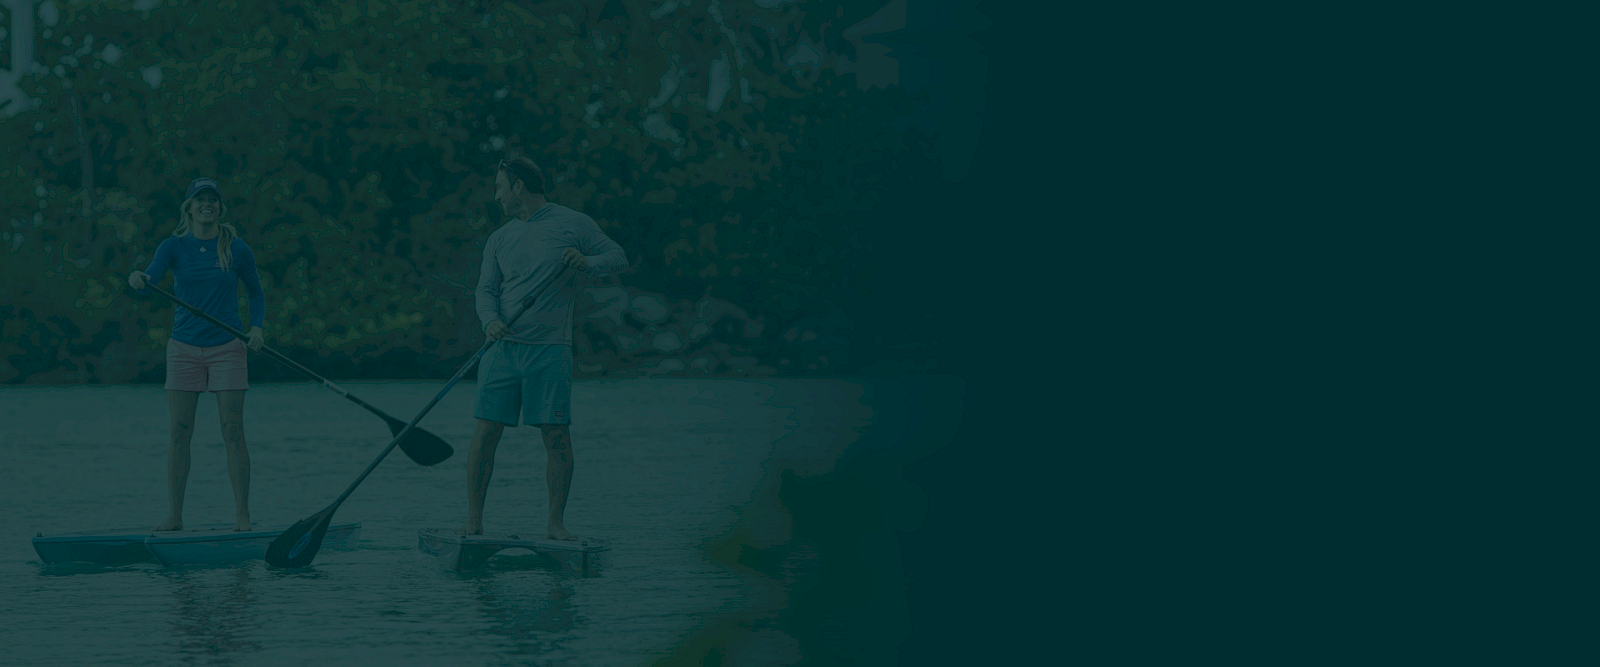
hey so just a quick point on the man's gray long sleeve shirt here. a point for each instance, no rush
(522, 254)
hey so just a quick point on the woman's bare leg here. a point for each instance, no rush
(180, 406)
(230, 408)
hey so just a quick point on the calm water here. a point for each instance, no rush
(667, 470)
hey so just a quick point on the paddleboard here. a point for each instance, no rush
(467, 552)
(117, 546)
(217, 546)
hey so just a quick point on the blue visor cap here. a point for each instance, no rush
(201, 184)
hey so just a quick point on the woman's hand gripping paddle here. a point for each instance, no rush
(298, 545)
(423, 447)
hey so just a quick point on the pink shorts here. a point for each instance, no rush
(218, 368)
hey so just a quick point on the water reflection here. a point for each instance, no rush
(532, 616)
(215, 610)
(73, 569)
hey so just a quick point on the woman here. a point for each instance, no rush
(208, 260)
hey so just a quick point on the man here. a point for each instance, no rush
(530, 369)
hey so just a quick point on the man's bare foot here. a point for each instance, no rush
(170, 524)
(241, 524)
(560, 533)
(470, 528)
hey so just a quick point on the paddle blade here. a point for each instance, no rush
(423, 447)
(298, 545)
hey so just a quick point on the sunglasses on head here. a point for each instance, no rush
(536, 181)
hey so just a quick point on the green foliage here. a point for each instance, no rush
(356, 139)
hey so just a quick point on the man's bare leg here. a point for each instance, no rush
(558, 476)
(480, 467)
(180, 407)
(230, 408)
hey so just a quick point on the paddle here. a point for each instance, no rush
(423, 447)
(298, 545)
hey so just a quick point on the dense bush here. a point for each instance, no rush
(717, 143)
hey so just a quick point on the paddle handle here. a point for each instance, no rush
(526, 304)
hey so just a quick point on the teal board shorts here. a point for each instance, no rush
(535, 380)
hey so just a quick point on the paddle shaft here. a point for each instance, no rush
(526, 304)
(272, 353)
(306, 536)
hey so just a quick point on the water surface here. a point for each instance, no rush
(668, 470)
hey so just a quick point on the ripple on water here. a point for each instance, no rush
(663, 468)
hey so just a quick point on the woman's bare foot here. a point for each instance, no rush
(170, 524)
(470, 528)
(242, 523)
(559, 532)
